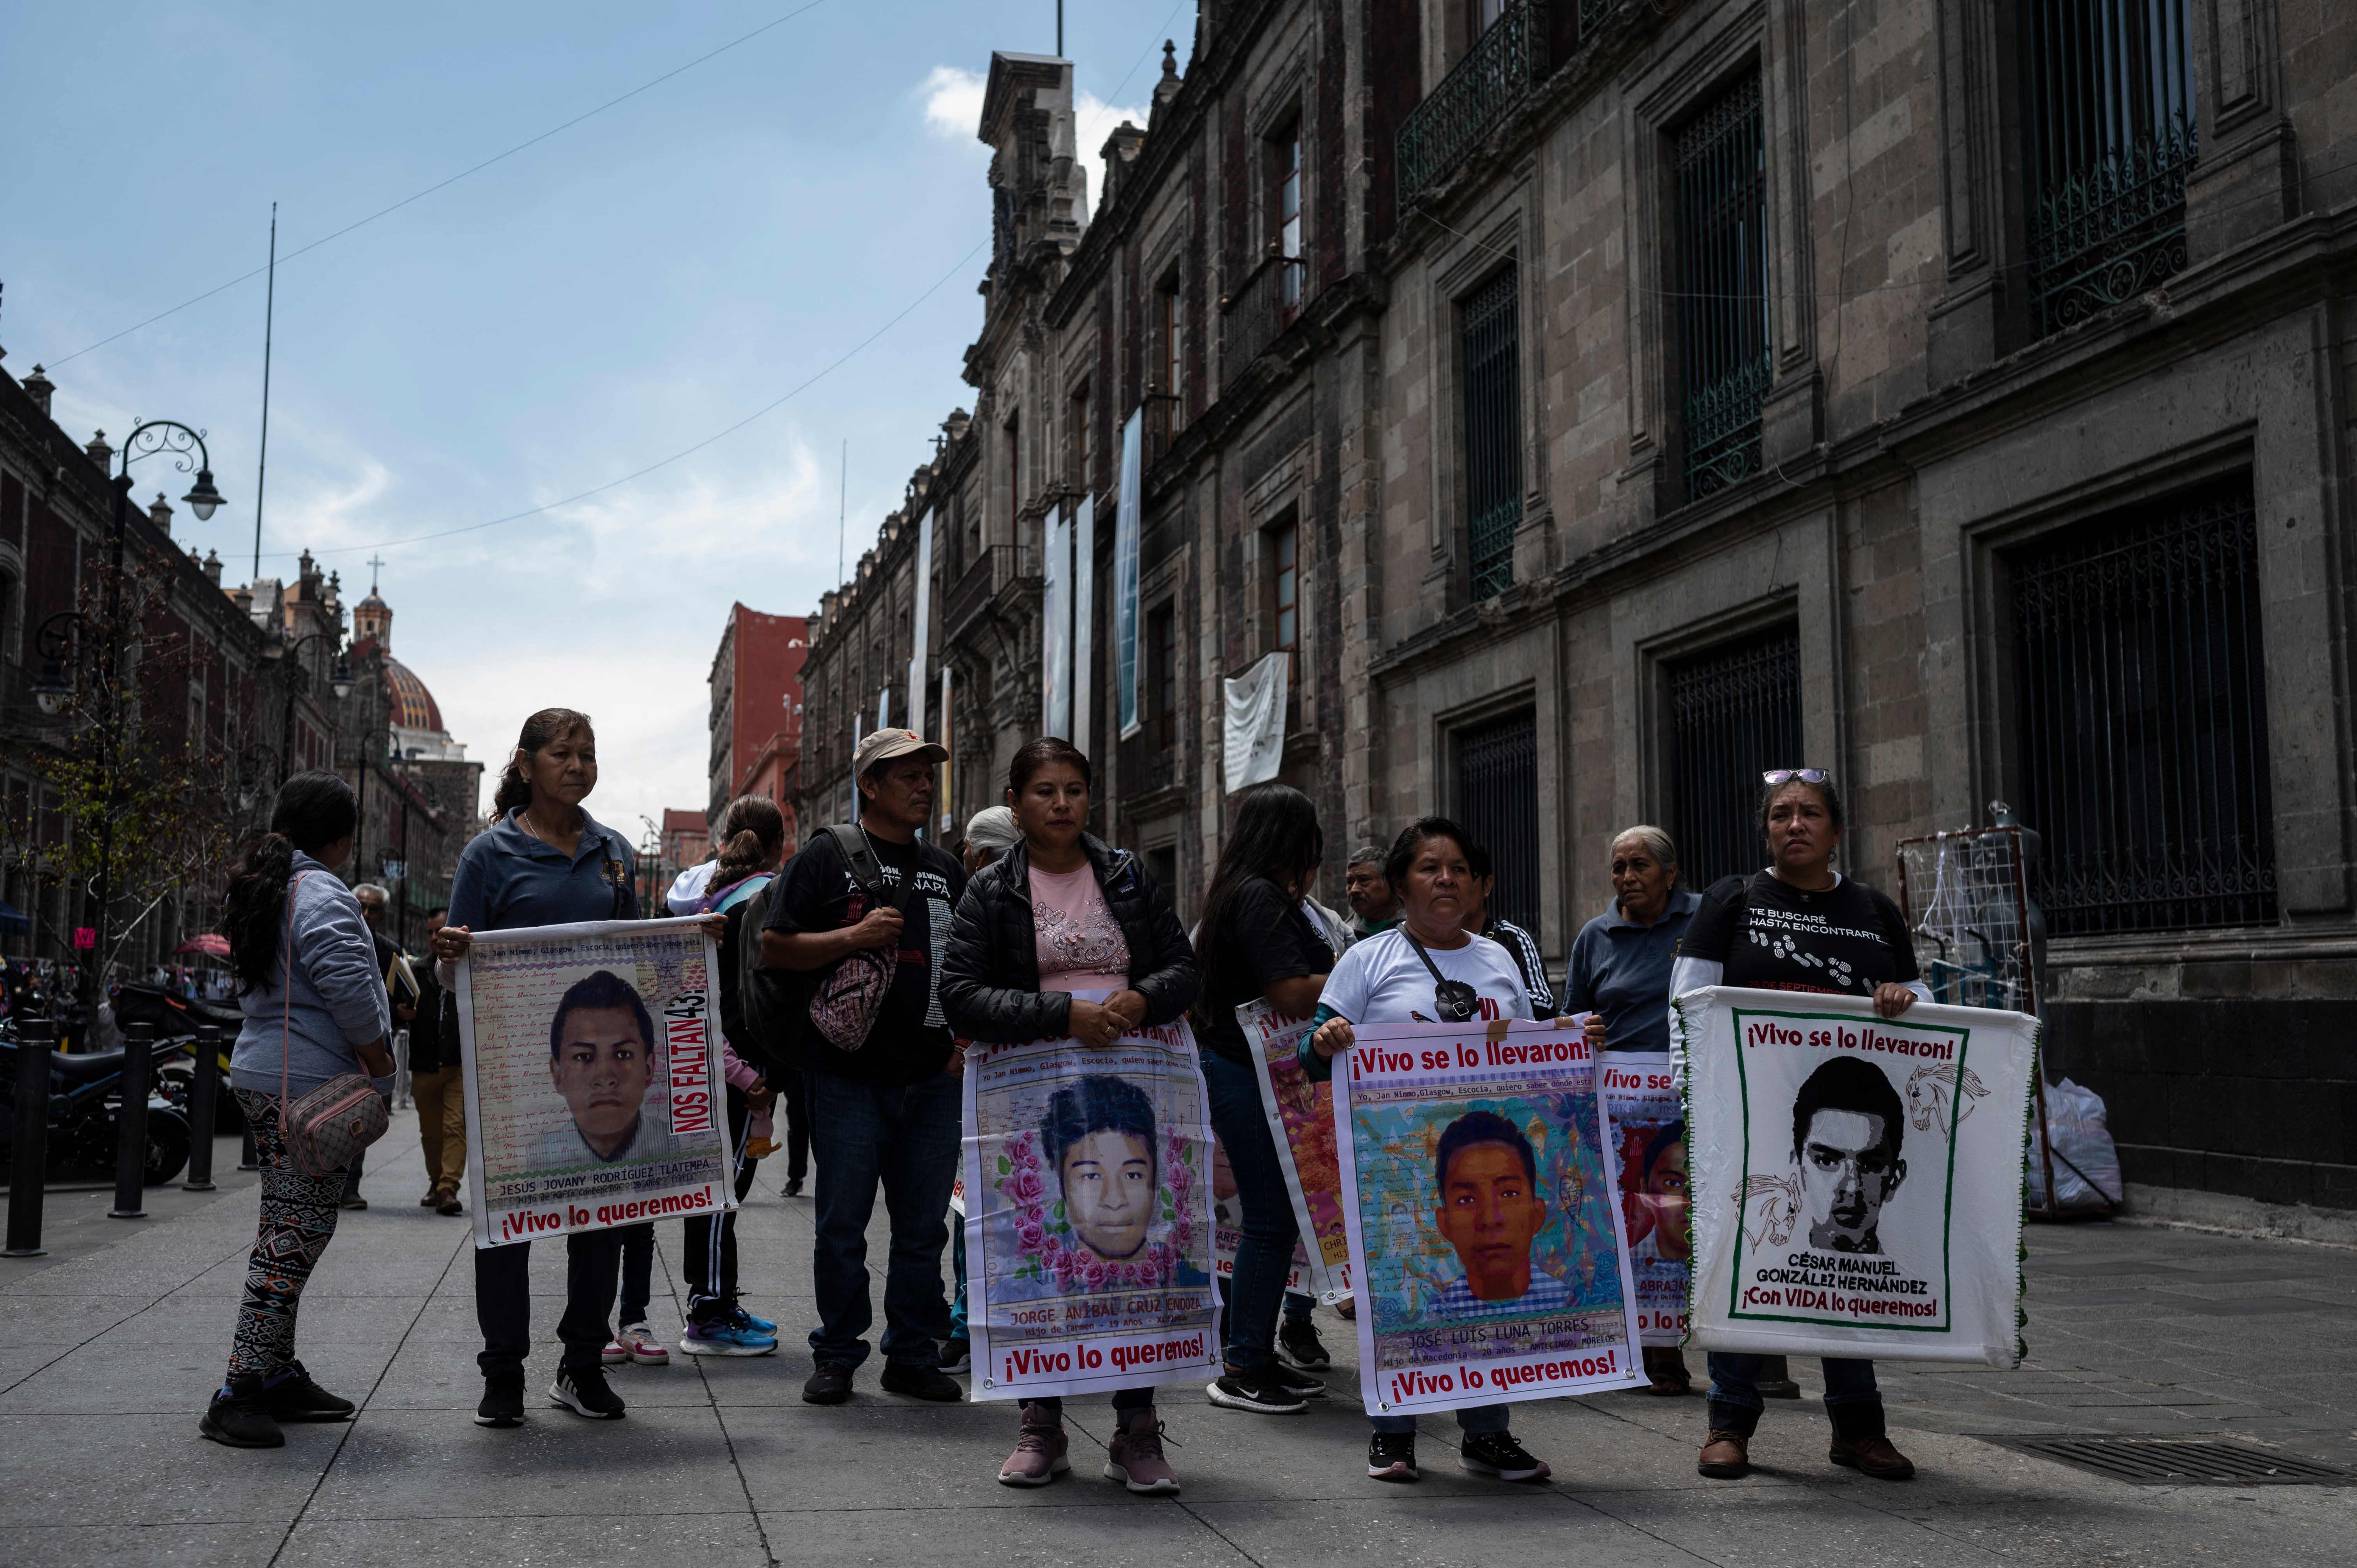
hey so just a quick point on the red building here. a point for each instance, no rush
(757, 711)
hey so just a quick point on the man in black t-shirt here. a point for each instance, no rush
(883, 1111)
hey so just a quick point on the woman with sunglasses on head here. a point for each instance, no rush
(1428, 968)
(545, 861)
(1799, 925)
(1062, 912)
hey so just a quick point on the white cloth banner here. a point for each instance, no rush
(919, 681)
(1056, 629)
(1126, 632)
(1856, 1181)
(1649, 1151)
(1087, 1215)
(1084, 621)
(592, 1067)
(1253, 745)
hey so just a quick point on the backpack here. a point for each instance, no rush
(839, 1003)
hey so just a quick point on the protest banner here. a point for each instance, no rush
(1301, 1124)
(593, 1078)
(1648, 1119)
(1856, 1181)
(1485, 1227)
(1087, 1222)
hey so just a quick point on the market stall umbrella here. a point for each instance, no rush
(210, 942)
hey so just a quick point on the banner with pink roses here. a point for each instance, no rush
(1089, 1229)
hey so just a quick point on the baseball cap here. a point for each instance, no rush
(890, 745)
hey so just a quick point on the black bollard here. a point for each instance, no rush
(131, 1126)
(29, 1167)
(203, 1089)
(249, 1158)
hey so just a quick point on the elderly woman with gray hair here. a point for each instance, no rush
(1620, 976)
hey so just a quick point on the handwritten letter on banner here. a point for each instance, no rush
(1485, 1223)
(1088, 1216)
(592, 1057)
(1856, 1181)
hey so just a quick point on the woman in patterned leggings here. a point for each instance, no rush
(314, 1009)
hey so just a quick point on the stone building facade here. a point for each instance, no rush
(1606, 401)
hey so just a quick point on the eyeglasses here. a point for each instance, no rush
(1776, 776)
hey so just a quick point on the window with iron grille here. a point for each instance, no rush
(1498, 802)
(1491, 329)
(2108, 138)
(1721, 203)
(2140, 718)
(1734, 713)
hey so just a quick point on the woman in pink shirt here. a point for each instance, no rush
(1061, 913)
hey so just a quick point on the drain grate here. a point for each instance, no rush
(2177, 1461)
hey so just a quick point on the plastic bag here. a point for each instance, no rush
(2086, 1162)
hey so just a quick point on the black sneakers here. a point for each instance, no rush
(957, 1355)
(1299, 1341)
(1262, 1390)
(1391, 1456)
(1293, 1382)
(238, 1418)
(831, 1384)
(1497, 1454)
(502, 1402)
(919, 1382)
(293, 1396)
(583, 1390)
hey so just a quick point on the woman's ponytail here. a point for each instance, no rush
(752, 830)
(312, 811)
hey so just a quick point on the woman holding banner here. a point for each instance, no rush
(543, 862)
(1256, 943)
(1061, 912)
(1800, 925)
(1427, 968)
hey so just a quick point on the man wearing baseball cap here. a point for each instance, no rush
(882, 1109)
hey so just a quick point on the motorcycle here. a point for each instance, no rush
(84, 1113)
(176, 1020)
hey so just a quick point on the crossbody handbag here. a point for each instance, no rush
(1455, 1001)
(326, 1130)
(844, 1003)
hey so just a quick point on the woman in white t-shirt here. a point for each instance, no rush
(1426, 968)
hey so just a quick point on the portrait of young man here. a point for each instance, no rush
(601, 1059)
(1848, 1122)
(1491, 1210)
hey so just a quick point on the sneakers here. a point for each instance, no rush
(1301, 1384)
(1262, 1390)
(1497, 1454)
(1391, 1456)
(638, 1343)
(293, 1396)
(1135, 1458)
(957, 1355)
(831, 1384)
(728, 1334)
(238, 1418)
(1298, 1339)
(1039, 1449)
(920, 1383)
(583, 1390)
(754, 1319)
(502, 1402)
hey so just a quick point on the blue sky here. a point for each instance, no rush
(593, 304)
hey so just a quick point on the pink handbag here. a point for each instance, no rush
(325, 1129)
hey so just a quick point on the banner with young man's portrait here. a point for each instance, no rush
(1089, 1174)
(1301, 1124)
(1856, 1181)
(593, 1078)
(1648, 1117)
(1487, 1237)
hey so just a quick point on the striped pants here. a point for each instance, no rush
(298, 1219)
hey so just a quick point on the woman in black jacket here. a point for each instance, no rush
(1061, 912)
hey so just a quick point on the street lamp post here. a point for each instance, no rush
(360, 832)
(56, 638)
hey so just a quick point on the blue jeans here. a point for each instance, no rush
(1476, 1419)
(906, 1140)
(1264, 1247)
(1734, 1377)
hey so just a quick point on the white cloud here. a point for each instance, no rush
(952, 97)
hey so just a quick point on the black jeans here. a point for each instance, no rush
(793, 1110)
(708, 1244)
(503, 1301)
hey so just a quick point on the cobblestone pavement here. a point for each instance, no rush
(112, 1343)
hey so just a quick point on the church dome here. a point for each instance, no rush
(408, 704)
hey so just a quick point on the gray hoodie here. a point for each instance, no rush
(339, 1000)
